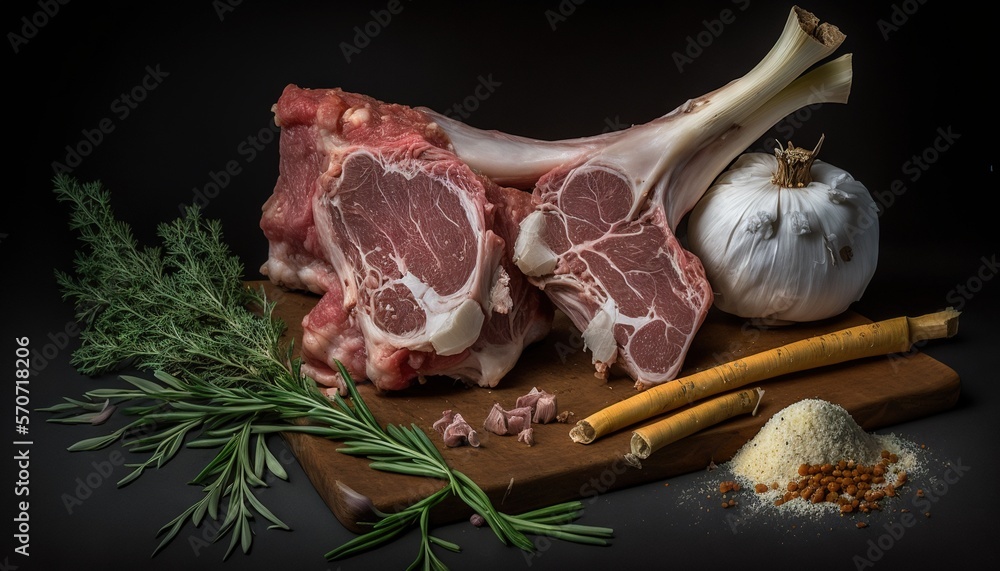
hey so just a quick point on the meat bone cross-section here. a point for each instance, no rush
(601, 240)
(405, 243)
(430, 261)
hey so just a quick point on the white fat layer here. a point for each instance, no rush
(599, 336)
(531, 255)
(453, 332)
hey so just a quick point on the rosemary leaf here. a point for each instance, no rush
(222, 378)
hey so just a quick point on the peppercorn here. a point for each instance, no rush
(849, 485)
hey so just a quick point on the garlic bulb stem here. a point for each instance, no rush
(795, 165)
(828, 83)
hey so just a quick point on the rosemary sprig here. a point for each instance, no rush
(222, 378)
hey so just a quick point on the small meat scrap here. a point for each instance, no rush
(542, 404)
(455, 430)
(504, 422)
(527, 436)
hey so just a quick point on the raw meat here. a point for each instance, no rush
(455, 430)
(601, 241)
(402, 240)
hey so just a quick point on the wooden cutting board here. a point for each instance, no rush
(878, 392)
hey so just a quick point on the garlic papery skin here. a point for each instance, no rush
(785, 254)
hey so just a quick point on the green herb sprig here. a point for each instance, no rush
(223, 378)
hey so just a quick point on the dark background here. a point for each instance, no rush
(564, 70)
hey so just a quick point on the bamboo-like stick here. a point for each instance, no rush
(652, 437)
(872, 339)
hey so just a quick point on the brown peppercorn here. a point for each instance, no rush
(760, 488)
(846, 509)
(804, 470)
(833, 487)
(861, 525)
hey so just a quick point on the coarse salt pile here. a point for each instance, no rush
(810, 431)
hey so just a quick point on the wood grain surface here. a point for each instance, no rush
(878, 392)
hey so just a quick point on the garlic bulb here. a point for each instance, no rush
(785, 237)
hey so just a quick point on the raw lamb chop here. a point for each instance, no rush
(403, 241)
(601, 241)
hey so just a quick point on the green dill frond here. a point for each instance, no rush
(180, 307)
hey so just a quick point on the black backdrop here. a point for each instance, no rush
(169, 106)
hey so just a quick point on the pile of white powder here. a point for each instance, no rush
(813, 432)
